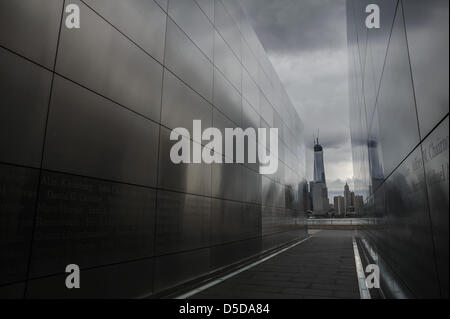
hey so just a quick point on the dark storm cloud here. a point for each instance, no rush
(297, 25)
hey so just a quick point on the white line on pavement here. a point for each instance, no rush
(218, 281)
(363, 291)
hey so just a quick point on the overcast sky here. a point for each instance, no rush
(306, 41)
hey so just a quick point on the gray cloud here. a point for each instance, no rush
(306, 42)
(293, 25)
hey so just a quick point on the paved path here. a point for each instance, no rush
(321, 267)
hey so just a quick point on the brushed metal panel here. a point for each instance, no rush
(124, 280)
(251, 190)
(234, 221)
(375, 155)
(270, 221)
(268, 191)
(370, 89)
(427, 31)
(226, 62)
(249, 60)
(396, 107)
(207, 7)
(91, 136)
(18, 192)
(25, 91)
(234, 10)
(250, 117)
(175, 269)
(266, 110)
(184, 59)
(181, 105)
(227, 181)
(189, 17)
(280, 125)
(142, 21)
(435, 153)
(410, 236)
(250, 91)
(188, 178)
(90, 223)
(221, 121)
(253, 218)
(163, 4)
(360, 29)
(31, 28)
(224, 255)
(227, 99)
(14, 291)
(183, 222)
(100, 58)
(227, 28)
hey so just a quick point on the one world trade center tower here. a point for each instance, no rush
(319, 170)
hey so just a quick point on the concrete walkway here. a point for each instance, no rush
(321, 267)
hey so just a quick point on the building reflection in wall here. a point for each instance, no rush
(399, 117)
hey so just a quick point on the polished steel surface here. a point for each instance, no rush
(109, 64)
(250, 90)
(187, 178)
(181, 105)
(227, 99)
(436, 155)
(230, 253)
(226, 26)
(228, 221)
(227, 181)
(174, 269)
(251, 192)
(91, 222)
(134, 278)
(18, 197)
(226, 61)
(207, 7)
(399, 132)
(190, 18)
(427, 27)
(144, 22)
(163, 4)
(25, 90)
(31, 28)
(184, 59)
(123, 146)
(408, 219)
(396, 90)
(86, 155)
(182, 222)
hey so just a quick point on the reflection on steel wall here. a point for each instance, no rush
(399, 128)
(85, 173)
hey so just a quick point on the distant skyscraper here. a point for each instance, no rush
(318, 188)
(376, 167)
(319, 169)
(359, 204)
(320, 200)
(347, 198)
(339, 206)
